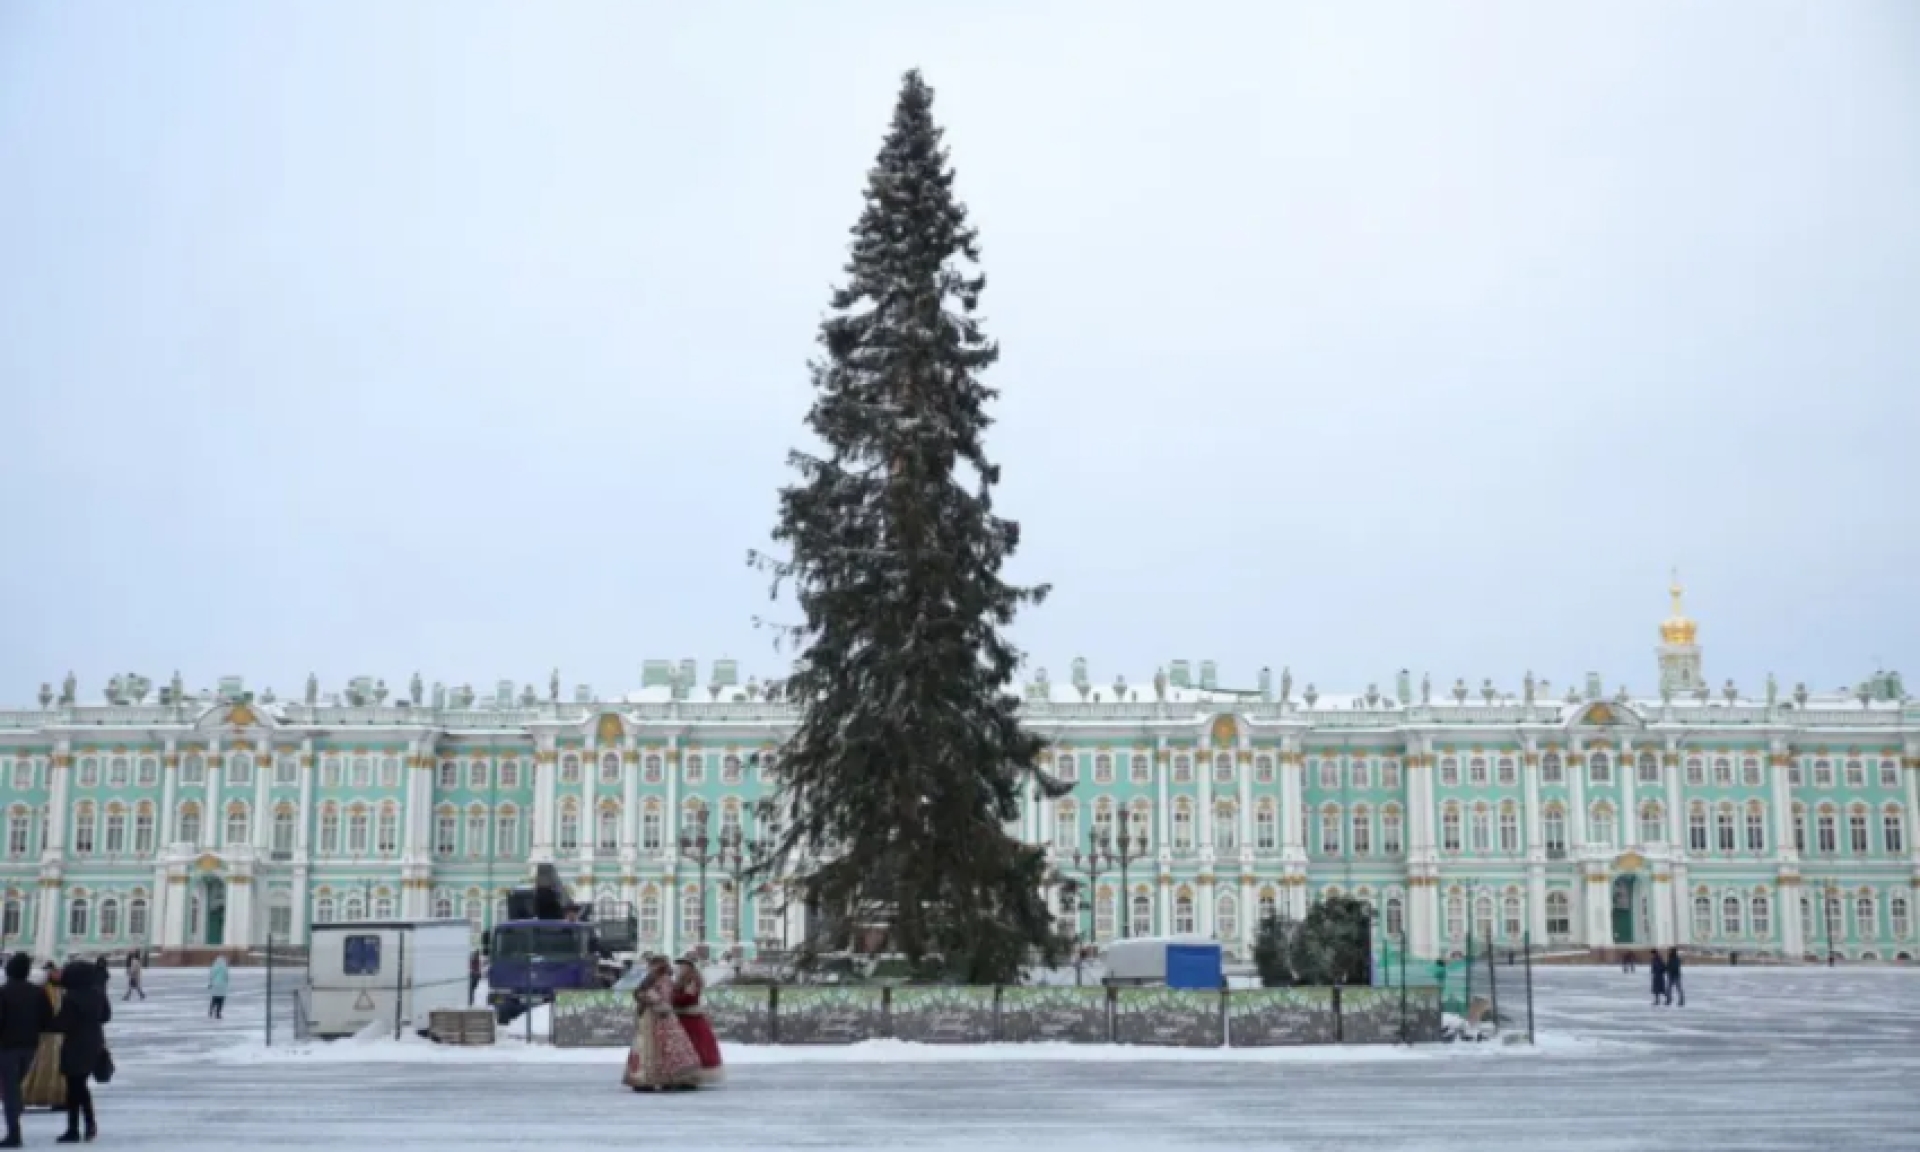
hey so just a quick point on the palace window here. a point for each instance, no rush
(329, 831)
(1329, 774)
(1142, 914)
(1509, 828)
(446, 831)
(1182, 825)
(240, 770)
(1223, 769)
(1482, 828)
(143, 829)
(77, 917)
(1449, 773)
(1553, 828)
(1756, 828)
(1456, 915)
(691, 913)
(570, 768)
(1266, 826)
(286, 770)
(1823, 773)
(696, 769)
(655, 772)
(137, 918)
(1702, 917)
(570, 826)
(1103, 769)
(1396, 917)
(477, 827)
(1512, 924)
(1067, 768)
(1795, 776)
(1551, 771)
(768, 925)
(510, 773)
(1649, 768)
(89, 774)
(389, 773)
(116, 830)
(1390, 775)
(83, 819)
(359, 828)
(1142, 772)
(506, 831)
(1722, 772)
(1799, 827)
(652, 823)
(1696, 772)
(1697, 827)
(1829, 825)
(1182, 770)
(1390, 839)
(1066, 825)
(610, 768)
(1856, 774)
(1226, 826)
(1103, 913)
(1865, 922)
(1362, 831)
(1893, 831)
(119, 771)
(1653, 821)
(1898, 915)
(1730, 916)
(1559, 915)
(283, 830)
(23, 773)
(323, 910)
(1183, 912)
(1477, 772)
(1889, 773)
(607, 828)
(238, 825)
(1857, 831)
(1508, 772)
(1600, 768)
(1226, 917)
(1723, 828)
(386, 832)
(1750, 772)
(1603, 826)
(649, 915)
(19, 833)
(1263, 770)
(1362, 771)
(449, 775)
(149, 771)
(362, 772)
(1761, 918)
(109, 918)
(1450, 828)
(1330, 830)
(477, 775)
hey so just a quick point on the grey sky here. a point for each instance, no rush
(467, 337)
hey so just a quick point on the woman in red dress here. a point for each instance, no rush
(687, 987)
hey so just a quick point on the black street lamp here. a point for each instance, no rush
(1127, 848)
(737, 858)
(696, 847)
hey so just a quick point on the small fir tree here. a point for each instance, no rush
(1334, 944)
(1270, 948)
(904, 771)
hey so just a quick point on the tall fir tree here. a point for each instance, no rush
(904, 772)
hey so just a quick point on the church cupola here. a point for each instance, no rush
(1679, 650)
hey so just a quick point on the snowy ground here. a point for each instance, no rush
(1760, 1059)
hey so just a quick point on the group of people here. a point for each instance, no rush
(1666, 976)
(674, 1048)
(53, 1043)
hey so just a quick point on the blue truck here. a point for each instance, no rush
(550, 944)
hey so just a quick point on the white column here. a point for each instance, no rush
(1662, 903)
(1779, 769)
(1243, 768)
(1629, 795)
(1793, 932)
(1599, 910)
(1682, 907)
(165, 827)
(630, 797)
(1162, 767)
(302, 828)
(262, 825)
(59, 806)
(213, 826)
(1676, 799)
(1203, 766)
(1912, 771)
(545, 769)
(1250, 911)
(1577, 797)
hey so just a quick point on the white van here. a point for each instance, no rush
(394, 972)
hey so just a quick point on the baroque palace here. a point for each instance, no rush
(1784, 824)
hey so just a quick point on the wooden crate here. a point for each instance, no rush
(466, 1026)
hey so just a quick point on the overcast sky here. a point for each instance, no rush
(471, 338)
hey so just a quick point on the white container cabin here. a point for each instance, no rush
(385, 971)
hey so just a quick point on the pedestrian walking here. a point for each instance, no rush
(473, 976)
(1659, 966)
(24, 1016)
(84, 1014)
(1674, 986)
(1626, 962)
(135, 972)
(217, 989)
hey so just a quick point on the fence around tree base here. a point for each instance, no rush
(1251, 1018)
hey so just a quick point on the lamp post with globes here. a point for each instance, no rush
(697, 847)
(1128, 847)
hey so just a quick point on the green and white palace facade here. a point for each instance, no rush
(1780, 823)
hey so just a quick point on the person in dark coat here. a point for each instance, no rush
(84, 1014)
(1674, 987)
(1659, 978)
(24, 1015)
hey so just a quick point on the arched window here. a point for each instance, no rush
(190, 823)
(446, 831)
(1396, 917)
(1722, 772)
(1263, 769)
(382, 905)
(137, 918)
(362, 777)
(1829, 827)
(240, 770)
(1723, 828)
(1483, 916)
(569, 826)
(1893, 830)
(1750, 772)
(690, 915)
(237, 825)
(1223, 769)
(387, 831)
(477, 827)
(1799, 827)
(1182, 825)
(443, 905)
(1139, 826)
(509, 776)
(116, 830)
(1266, 826)
(1142, 915)
(652, 825)
(109, 918)
(1450, 828)
(1066, 825)
(1761, 918)
(1649, 768)
(1756, 827)
(1141, 771)
(570, 768)
(1103, 901)
(1696, 772)
(1857, 830)
(78, 922)
(1482, 829)
(606, 836)
(19, 832)
(1269, 905)
(1512, 922)
(1551, 770)
(1449, 773)
(1702, 917)
(12, 917)
(1456, 914)
(329, 830)
(1226, 917)
(1362, 830)
(506, 831)
(610, 768)
(1865, 923)
(1183, 770)
(1067, 767)
(1183, 911)
(650, 913)
(323, 910)
(1390, 830)
(359, 829)
(1509, 828)
(143, 829)
(1330, 830)
(1559, 914)
(1604, 832)
(1600, 768)
(1696, 827)
(84, 817)
(1653, 823)
(1730, 916)
(1899, 915)
(1507, 772)
(1226, 826)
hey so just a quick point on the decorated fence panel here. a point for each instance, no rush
(593, 1019)
(943, 1015)
(1266, 1017)
(1073, 1015)
(831, 1015)
(1175, 1017)
(741, 1014)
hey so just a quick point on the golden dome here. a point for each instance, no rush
(1677, 630)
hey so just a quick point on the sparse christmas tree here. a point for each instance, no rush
(904, 772)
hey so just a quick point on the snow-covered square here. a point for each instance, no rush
(1759, 1059)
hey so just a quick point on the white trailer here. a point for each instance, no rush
(1143, 959)
(391, 972)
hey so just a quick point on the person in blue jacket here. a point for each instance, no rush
(217, 988)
